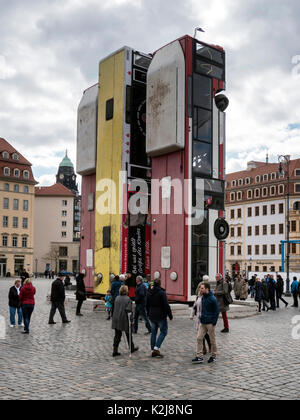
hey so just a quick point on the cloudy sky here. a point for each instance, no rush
(50, 49)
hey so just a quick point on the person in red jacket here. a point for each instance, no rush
(26, 298)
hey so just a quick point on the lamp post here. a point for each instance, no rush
(286, 160)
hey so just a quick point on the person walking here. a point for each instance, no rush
(158, 309)
(114, 289)
(258, 292)
(244, 290)
(272, 292)
(295, 291)
(57, 299)
(140, 305)
(279, 291)
(237, 287)
(224, 300)
(27, 302)
(108, 304)
(120, 321)
(15, 305)
(209, 318)
(265, 295)
(196, 312)
(80, 293)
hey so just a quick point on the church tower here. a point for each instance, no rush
(66, 174)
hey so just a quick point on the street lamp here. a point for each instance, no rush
(286, 160)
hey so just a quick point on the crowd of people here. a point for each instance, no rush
(152, 306)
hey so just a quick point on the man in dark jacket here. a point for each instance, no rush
(114, 290)
(140, 305)
(58, 297)
(14, 304)
(272, 292)
(279, 291)
(158, 309)
(209, 318)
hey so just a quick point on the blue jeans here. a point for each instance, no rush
(12, 314)
(27, 312)
(163, 326)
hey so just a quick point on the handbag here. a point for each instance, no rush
(227, 299)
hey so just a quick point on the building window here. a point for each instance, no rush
(273, 249)
(265, 268)
(256, 249)
(240, 182)
(239, 250)
(6, 187)
(265, 210)
(249, 194)
(5, 221)
(256, 230)
(273, 176)
(6, 171)
(232, 214)
(5, 155)
(64, 223)
(63, 251)
(257, 179)
(5, 203)
(26, 189)
(239, 232)
(16, 204)
(239, 195)
(25, 205)
(232, 196)
(25, 174)
(233, 183)
(273, 229)
(63, 234)
(15, 156)
(25, 223)
(293, 226)
(297, 172)
(294, 249)
(256, 211)
(247, 181)
(296, 206)
(281, 189)
(257, 268)
(24, 241)
(4, 240)
(232, 250)
(281, 229)
(273, 190)
(257, 193)
(273, 209)
(17, 173)
(64, 213)
(239, 213)
(265, 249)
(249, 211)
(264, 191)
(281, 208)
(16, 188)
(249, 250)
(15, 241)
(64, 203)
(15, 222)
(265, 229)
(279, 250)
(266, 177)
(249, 230)
(297, 188)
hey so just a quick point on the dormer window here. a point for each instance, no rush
(247, 181)
(233, 184)
(257, 179)
(297, 172)
(5, 155)
(273, 176)
(26, 174)
(273, 190)
(6, 171)
(266, 177)
(17, 173)
(249, 194)
(264, 192)
(281, 189)
(240, 182)
(257, 193)
(239, 195)
(15, 156)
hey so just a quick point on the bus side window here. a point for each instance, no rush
(109, 109)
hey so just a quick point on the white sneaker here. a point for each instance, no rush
(21, 325)
(12, 326)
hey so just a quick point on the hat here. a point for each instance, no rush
(61, 274)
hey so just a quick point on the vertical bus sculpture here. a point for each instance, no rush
(86, 166)
(186, 141)
(122, 240)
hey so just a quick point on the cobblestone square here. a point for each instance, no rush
(258, 359)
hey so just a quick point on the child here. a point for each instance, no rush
(108, 304)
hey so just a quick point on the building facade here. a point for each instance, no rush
(16, 212)
(55, 247)
(257, 213)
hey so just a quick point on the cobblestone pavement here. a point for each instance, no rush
(259, 359)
